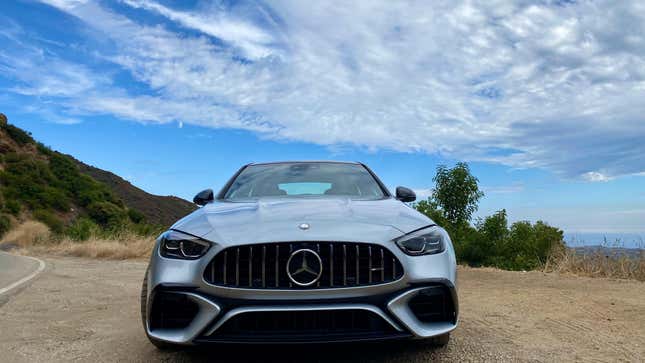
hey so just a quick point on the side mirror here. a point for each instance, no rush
(204, 197)
(405, 194)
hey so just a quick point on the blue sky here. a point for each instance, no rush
(543, 99)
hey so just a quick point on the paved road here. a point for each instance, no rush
(15, 273)
(88, 310)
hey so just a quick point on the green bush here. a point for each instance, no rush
(5, 224)
(31, 182)
(523, 246)
(136, 216)
(43, 149)
(490, 242)
(431, 209)
(18, 135)
(144, 229)
(13, 207)
(54, 223)
(107, 215)
(82, 229)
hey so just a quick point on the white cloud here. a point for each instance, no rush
(422, 194)
(594, 176)
(503, 189)
(251, 39)
(543, 85)
(66, 4)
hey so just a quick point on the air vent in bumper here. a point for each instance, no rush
(305, 326)
(433, 305)
(172, 311)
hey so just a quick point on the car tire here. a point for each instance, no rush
(144, 296)
(441, 340)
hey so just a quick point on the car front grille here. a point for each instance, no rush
(264, 266)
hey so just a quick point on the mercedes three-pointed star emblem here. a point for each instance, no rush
(304, 267)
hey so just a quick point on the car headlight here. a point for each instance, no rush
(427, 241)
(175, 244)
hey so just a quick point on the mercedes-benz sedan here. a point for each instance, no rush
(301, 252)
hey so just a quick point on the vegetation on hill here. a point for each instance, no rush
(39, 183)
(163, 210)
(490, 241)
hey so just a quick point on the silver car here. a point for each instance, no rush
(293, 252)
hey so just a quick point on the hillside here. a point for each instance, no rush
(164, 210)
(70, 196)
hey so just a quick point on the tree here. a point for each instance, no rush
(456, 193)
(430, 208)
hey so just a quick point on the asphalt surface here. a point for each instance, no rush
(88, 310)
(15, 273)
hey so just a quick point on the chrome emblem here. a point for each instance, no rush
(304, 267)
(304, 226)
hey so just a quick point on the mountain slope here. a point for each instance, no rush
(66, 194)
(164, 210)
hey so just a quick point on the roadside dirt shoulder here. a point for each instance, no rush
(83, 309)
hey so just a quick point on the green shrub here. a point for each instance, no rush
(523, 246)
(43, 149)
(144, 229)
(50, 219)
(431, 209)
(5, 224)
(136, 216)
(490, 242)
(13, 207)
(18, 135)
(31, 182)
(82, 229)
(107, 215)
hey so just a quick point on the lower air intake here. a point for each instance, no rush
(171, 311)
(433, 305)
(305, 326)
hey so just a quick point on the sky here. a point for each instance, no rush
(544, 99)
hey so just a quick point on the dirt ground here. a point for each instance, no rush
(87, 310)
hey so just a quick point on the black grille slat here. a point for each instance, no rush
(263, 266)
(277, 268)
(344, 265)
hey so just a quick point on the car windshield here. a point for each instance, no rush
(304, 179)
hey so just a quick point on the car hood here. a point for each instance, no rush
(278, 219)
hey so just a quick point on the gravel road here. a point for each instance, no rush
(87, 310)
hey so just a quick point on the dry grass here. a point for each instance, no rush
(125, 247)
(598, 264)
(35, 237)
(27, 234)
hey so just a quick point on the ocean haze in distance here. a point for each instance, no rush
(620, 240)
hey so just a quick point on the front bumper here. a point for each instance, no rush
(396, 305)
